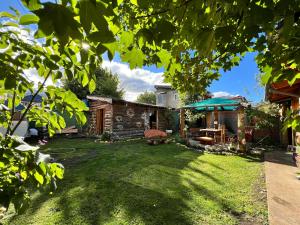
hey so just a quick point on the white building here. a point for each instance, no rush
(166, 96)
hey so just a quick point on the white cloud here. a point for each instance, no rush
(135, 81)
(219, 94)
(32, 76)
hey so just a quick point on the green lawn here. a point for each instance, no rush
(134, 183)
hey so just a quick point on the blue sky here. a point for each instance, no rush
(241, 80)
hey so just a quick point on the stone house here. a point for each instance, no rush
(124, 118)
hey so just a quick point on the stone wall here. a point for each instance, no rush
(133, 119)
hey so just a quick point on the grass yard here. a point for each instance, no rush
(134, 183)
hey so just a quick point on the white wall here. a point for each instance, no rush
(169, 98)
(21, 130)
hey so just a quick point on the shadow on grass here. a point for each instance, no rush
(280, 157)
(99, 186)
(214, 179)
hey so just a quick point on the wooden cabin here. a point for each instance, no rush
(123, 118)
(288, 97)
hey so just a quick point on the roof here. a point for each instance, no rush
(281, 91)
(113, 100)
(222, 104)
(37, 99)
(27, 99)
(163, 86)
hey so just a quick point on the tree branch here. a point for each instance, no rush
(30, 104)
(12, 113)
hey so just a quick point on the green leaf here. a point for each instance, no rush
(85, 18)
(29, 19)
(32, 4)
(3, 43)
(10, 24)
(135, 58)
(92, 86)
(207, 10)
(119, 2)
(24, 175)
(60, 20)
(43, 167)
(134, 2)
(61, 122)
(8, 15)
(112, 48)
(39, 177)
(266, 75)
(164, 30)
(293, 80)
(126, 38)
(164, 57)
(85, 80)
(80, 117)
(59, 170)
(101, 36)
(10, 83)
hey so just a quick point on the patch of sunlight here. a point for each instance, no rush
(162, 179)
(119, 215)
(186, 155)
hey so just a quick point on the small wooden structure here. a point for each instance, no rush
(217, 105)
(123, 118)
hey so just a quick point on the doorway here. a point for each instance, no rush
(99, 121)
(152, 120)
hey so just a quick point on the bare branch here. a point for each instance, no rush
(30, 104)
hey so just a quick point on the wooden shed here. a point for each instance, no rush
(123, 118)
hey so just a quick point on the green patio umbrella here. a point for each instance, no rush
(222, 104)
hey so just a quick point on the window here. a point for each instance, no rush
(161, 98)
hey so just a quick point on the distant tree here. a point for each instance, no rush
(147, 97)
(107, 85)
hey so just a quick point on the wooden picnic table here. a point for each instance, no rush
(211, 130)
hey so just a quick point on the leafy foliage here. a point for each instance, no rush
(21, 165)
(192, 40)
(292, 120)
(22, 168)
(263, 116)
(147, 97)
(106, 136)
(171, 117)
(107, 85)
(192, 116)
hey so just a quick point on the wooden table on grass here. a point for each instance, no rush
(211, 130)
